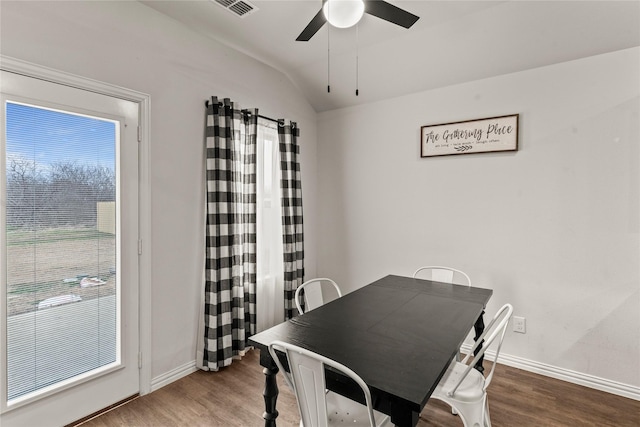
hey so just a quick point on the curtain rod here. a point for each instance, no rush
(281, 121)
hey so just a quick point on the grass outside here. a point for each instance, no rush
(25, 237)
(48, 263)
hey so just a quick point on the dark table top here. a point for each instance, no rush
(398, 333)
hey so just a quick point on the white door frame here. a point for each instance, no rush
(144, 202)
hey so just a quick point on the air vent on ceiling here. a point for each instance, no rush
(239, 8)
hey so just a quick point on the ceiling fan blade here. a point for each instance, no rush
(390, 13)
(316, 23)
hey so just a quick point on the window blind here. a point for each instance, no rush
(61, 249)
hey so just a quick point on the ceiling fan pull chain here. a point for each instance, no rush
(328, 58)
(357, 56)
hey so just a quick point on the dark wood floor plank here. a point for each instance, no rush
(233, 397)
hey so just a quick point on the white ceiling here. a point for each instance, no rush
(452, 42)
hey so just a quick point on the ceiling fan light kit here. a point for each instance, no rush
(343, 13)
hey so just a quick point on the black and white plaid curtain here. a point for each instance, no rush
(292, 226)
(230, 265)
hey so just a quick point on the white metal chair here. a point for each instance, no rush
(463, 387)
(445, 274)
(319, 407)
(313, 294)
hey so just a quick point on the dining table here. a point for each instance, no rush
(399, 334)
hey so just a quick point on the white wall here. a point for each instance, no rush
(551, 228)
(131, 45)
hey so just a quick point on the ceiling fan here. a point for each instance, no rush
(379, 8)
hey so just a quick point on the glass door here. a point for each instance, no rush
(69, 251)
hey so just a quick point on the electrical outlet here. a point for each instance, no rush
(519, 325)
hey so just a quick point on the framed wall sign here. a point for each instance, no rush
(471, 136)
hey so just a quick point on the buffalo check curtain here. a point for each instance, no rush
(230, 273)
(230, 250)
(292, 225)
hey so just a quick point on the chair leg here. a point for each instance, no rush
(458, 358)
(487, 418)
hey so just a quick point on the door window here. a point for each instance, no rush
(62, 287)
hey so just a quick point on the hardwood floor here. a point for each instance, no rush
(233, 397)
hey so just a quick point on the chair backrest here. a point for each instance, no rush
(492, 336)
(312, 294)
(306, 377)
(445, 274)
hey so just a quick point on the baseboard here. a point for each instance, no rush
(173, 375)
(602, 384)
(597, 383)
